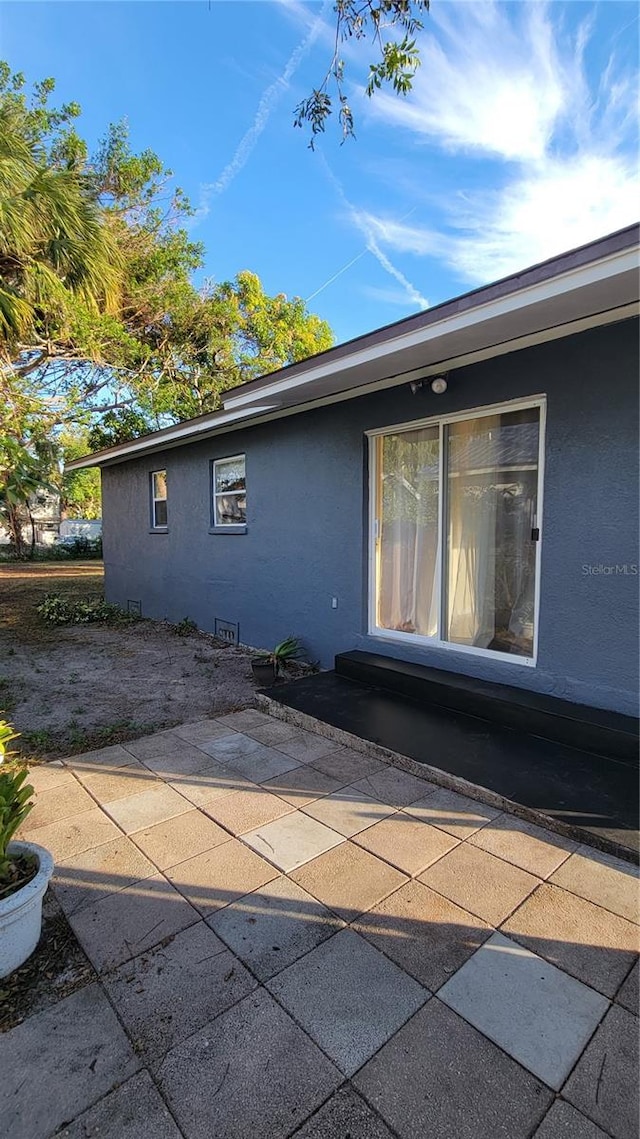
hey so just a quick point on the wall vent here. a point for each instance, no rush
(226, 630)
(135, 607)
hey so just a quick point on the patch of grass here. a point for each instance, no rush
(46, 743)
(58, 610)
(185, 627)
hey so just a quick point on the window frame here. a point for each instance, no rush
(158, 527)
(420, 640)
(217, 527)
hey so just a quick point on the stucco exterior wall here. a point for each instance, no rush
(307, 507)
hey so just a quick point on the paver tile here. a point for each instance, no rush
(202, 731)
(246, 810)
(113, 756)
(301, 785)
(394, 786)
(59, 1062)
(346, 764)
(533, 1011)
(292, 840)
(348, 811)
(160, 743)
(590, 943)
(628, 994)
(344, 1116)
(604, 1084)
(531, 848)
(247, 718)
(480, 883)
(348, 997)
(219, 876)
(125, 924)
(562, 1121)
(348, 880)
(182, 760)
(146, 808)
(254, 760)
(609, 882)
(232, 747)
(118, 782)
(135, 1110)
(451, 812)
(55, 805)
(179, 838)
(47, 776)
(272, 927)
(272, 734)
(71, 836)
(406, 843)
(216, 780)
(424, 933)
(251, 1072)
(169, 992)
(439, 1078)
(306, 747)
(85, 878)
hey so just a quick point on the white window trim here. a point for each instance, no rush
(419, 639)
(154, 499)
(241, 526)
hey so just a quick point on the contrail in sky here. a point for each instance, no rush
(270, 97)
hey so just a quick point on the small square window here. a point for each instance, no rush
(159, 500)
(229, 492)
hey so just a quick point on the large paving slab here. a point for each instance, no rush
(108, 783)
(344, 763)
(406, 843)
(274, 926)
(154, 805)
(59, 1062)
(524, 845)
(439, 1078)
(180, 838)
(628, 994)
(56, 804)
(302, 785)
(71, 836)
(113, 756)
(609, 882)
(136, 918)
(345, 1116)
(348, 811)
(210, 782)
(348, 880)
(149, 747)
(249, 757)
(306, 747)
(135, 1110)
(533, 1011)
(292, 840)
(85, 878)
(47, 776)
(562, 1121)
(348, 997)
(219, 876)
(202, 731)
(423, 932)
(246, 810)
(394, 786)
(182, 760)
(169, 992)
(251, 1072)
(590, 943)
(482, 884)
(273, 733)
(453, 813)
(604, 1085)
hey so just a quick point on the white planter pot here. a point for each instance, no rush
(21, 913)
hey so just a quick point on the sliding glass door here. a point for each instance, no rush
(455, 513)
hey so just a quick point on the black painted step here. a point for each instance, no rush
(596, 730)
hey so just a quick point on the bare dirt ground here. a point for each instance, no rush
(69, 689)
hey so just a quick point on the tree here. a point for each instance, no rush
(396, 65)
(26, 459)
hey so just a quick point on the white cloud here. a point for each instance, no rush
(506, 82)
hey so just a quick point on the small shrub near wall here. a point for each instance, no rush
(58, 610)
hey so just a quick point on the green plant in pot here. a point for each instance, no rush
(267, 667)
(25, 868)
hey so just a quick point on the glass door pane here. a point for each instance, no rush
(491, 506)
(407, 546)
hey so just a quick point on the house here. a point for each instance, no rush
(458, 489)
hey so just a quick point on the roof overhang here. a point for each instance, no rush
(558, 299)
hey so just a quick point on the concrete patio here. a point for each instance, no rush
(293, 938)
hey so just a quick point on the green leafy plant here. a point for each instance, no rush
(184, 627)
(58, 610)
(284, 652)
(15, 804)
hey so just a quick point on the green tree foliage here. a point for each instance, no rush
(391, 27)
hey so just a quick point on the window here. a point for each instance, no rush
(455, 506)
(229, 492)
(159, 500)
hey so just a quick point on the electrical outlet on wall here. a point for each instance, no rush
(334, 602)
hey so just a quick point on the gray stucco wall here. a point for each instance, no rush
(306, 539)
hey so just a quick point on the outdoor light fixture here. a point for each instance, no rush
(439, 385)
(416, 386)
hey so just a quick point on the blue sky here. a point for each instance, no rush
(517, 142)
